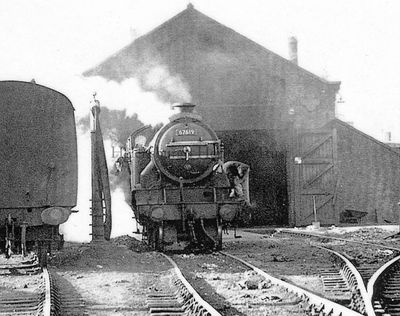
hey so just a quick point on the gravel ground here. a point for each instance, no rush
(17, 285)
(114, 277)
(358, 253)
(362, 254)
(375, 235)
(385, 235)
(18, 282)
(232, 289)
(367, 257)
(285, 257)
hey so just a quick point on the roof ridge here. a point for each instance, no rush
(366, 135)
(86, 72)
(190, 10)
(268, 50)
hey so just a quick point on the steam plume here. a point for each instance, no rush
(125, 106)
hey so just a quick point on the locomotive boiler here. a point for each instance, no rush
(38, 155)
(180, 189)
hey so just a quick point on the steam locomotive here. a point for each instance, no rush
(180, 190)
(38, 155)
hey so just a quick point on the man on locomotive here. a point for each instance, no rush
(237, 173)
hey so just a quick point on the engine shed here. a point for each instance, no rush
(272, 115)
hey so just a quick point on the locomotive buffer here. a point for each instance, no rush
(101, 197)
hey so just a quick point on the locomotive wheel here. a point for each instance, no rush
(219, 237)
(150, 237)
(160, 237)
(8, 250)
(42, 255)
(210, 227)
(155, 237)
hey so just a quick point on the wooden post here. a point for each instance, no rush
(101, 214)
(291, 172)
(314, 209)
(23, 238)
(97, 203)
(315, 224)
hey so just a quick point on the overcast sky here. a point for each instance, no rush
(354, 41)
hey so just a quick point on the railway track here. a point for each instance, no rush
(300, 301)
(28, 289)
(384, 288)
(66, 301)
(329, 275)
(366, 270)
(312, 303)
(319, 236)
(179, 298)
(381, 282)
(359, 298)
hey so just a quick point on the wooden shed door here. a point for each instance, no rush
(315, 177)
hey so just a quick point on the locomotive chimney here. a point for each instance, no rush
(293, 50)
(185, 107)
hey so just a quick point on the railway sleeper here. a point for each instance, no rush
(9, 311)
(27, 313)
(162, 295)
(18, 305)
(333, 281)
(170, 303)
(169, 314)
(156, 310)
(393, 293)
(18, 300)
(165, 303)
(389, 284)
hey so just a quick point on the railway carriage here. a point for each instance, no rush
(179, 187)
(38, 183)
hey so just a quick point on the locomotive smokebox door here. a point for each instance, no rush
(186, 148)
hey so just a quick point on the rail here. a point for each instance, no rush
(359, 297)
(377, 278)
(292, 232)
(194, 303)
(378, 275)
(317, 305)
(47, 293)
(39, 302)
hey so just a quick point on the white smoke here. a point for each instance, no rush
(77, 227)
(128, 96)
(158, 78)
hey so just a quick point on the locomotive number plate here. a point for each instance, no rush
(186, 131)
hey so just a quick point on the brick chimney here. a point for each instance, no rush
(293, 50)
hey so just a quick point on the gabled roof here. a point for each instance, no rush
(337, 121)
(197, 19)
